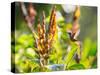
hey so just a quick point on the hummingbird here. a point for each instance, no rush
(73, 33)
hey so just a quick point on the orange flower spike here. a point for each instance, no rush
(51, 19)
(43, 25)
(39, 30)
(54, 26)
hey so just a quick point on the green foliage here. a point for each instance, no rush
(76, 66)
(26, 59)
(70, 55)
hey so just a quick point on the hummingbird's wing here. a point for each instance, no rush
(76, 34)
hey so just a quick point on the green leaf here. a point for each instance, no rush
(93, 50)
(76, 66)
(86, 63)
(70, 55)
(26, 40)
(86, 48)
(17, 47)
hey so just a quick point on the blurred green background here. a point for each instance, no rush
(24, 58)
